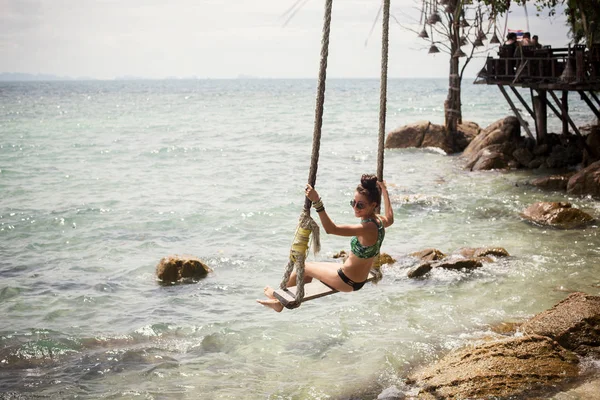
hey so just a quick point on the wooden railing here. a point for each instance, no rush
(545, 64)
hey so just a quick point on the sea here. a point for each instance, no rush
(99, 180)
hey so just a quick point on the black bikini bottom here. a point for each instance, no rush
(354, 285)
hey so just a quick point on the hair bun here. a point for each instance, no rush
(368, 181)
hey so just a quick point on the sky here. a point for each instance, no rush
(104, 39)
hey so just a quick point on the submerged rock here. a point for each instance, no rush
(428, 254)
(574, 323)
(503, 368)
(175, 268)
(466, 258)
(553, 182)
(557, 214)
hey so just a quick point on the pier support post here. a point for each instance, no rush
(540, 106)
(564, 106)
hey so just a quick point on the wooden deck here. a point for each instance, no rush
(545, 71)
(572, 69)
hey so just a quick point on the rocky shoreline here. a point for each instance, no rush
(555, 354)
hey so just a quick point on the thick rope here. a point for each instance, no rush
(376, 268)
(307, 225)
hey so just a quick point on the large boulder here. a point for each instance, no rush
(557, 214)
(574, 323)
(176, 268)
(506, 130)
(419, 134)
(500, 369)
(463, 259)
(425, 134)
(586, 181)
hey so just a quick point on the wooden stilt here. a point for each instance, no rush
(566, 119)
(541, 115)
(529, 110)
(523, 123)
(589, 103)
(564, 106)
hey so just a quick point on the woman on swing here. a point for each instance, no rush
(367, 237)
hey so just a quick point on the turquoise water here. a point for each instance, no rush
(100, 180)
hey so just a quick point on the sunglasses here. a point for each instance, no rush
(360, 205)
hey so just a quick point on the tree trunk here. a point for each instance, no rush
(452, 106)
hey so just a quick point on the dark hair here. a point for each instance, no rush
(511, 35)
(368, 187)
(527, 34)
(535, 37)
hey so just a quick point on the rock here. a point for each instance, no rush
(420, 134)
(557, 158)
(491, 251)
(420, 270)
(391, 393)
(536, 162)
(486, 160)
(407, 136)
(466, 252)
(428, 254)
(342, 254)
(385, 258)
(469, 263)
(503, 131)
(523, 156)
(541, 149)
(553, 182)
(175, 268)
(574, 323)
(586, 181)
(466, 132)
(503, 368)
(558, 215)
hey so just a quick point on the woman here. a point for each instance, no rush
(367, 237)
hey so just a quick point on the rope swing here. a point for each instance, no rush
(306, 224)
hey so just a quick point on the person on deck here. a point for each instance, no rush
(367, 237)
(526, 41)
(535, 42)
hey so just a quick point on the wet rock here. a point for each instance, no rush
(523, 156)
(342, 254)
(419, 134)
(385, 258)
(553, 182)
(458, 264)
(504, 368)
(487, 160)
(557, 214)
(420, 270)
(391, 393)
(491, 251)
(428, 254)
(586, 181)
(574, 323)
(175, 268)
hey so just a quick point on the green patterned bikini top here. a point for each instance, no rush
(361, 251)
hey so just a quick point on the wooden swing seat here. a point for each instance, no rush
(312, 290)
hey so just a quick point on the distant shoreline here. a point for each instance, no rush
(22, 77)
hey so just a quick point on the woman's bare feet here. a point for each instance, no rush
(269, 292)
(272, 302)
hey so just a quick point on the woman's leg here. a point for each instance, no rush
(327, 272)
